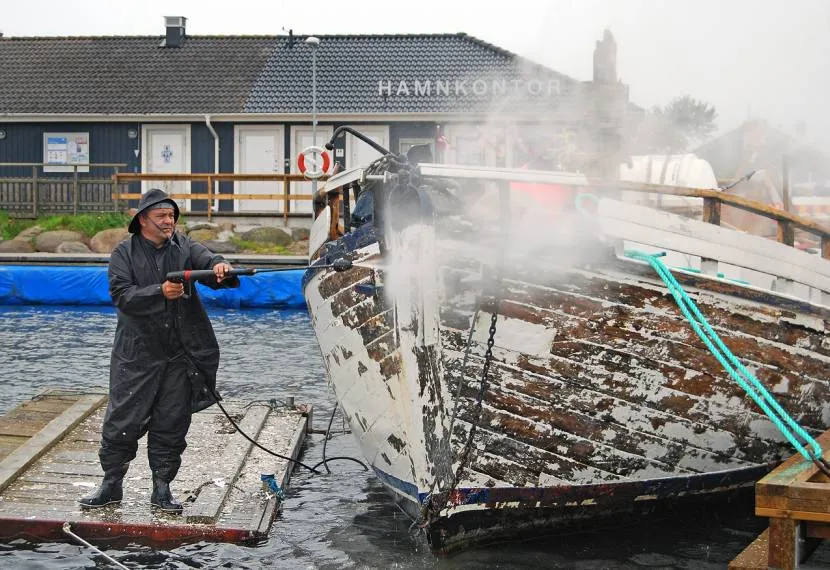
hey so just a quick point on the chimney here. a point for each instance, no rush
(175, 31)
(605, 59)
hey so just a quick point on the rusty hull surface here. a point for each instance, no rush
(627, 405)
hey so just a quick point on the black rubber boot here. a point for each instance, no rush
(162, 498)
(109, 492)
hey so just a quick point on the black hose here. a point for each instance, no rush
(326, 439)
(249, 438)
(275, 454)
(325, 461)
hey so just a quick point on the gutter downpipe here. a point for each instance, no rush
(215, 158)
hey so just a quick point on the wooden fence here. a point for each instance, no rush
(30, 196)
(210, 179)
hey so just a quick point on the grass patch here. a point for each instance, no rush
(87, 224)
(256, 247)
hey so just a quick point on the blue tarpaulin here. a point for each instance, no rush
(85, 285)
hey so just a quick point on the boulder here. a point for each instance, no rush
(225, 235)
(30, 233)
(298, 248)
(300, 233)
(191, 226)
(17, 246)
(221, 246)
(203, 235)
(72, 247)
(106, 240)
(49, 241)
(226, 226)
(268, 235)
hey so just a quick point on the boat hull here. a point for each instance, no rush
(587, 397)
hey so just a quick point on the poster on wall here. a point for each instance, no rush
(63, 150)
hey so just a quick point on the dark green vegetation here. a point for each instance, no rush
(87, 224)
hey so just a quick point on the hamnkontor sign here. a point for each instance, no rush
(465, 87)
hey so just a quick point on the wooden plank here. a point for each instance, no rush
(674, 233)
(283, 475)
(788, 544)
(206, 507)
(26, 429)
(283, 432)
(806, 494)
(773, 513)
(83, 469)
(26, 454)
(754, 556)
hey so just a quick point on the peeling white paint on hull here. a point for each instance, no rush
(598, 400)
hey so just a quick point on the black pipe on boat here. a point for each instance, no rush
(330, 145)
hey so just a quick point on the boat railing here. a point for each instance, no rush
(714, 200)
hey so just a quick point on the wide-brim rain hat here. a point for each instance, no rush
(148, 200)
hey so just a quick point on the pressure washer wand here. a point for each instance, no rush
(189, 275)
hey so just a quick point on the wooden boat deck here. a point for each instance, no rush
(49, 459)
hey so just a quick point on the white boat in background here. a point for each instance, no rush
(509, 364)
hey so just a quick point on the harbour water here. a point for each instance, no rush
(339, 520)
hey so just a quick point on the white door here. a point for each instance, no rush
(259, 151)
(165, 149)
(358, 152)
(301, 137)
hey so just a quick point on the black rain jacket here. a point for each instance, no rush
(141, 346)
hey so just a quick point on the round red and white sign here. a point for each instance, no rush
(313, 161)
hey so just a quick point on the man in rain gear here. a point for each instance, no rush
(165, 355)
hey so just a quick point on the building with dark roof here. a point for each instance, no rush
(178, 103)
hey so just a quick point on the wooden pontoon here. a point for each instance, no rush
(49, 460)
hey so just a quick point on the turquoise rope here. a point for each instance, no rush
(730, 363)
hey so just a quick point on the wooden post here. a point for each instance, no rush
(785, 537)
(711, 215)
(115, 188)
(825, 247)
(74, 189)
(34, 191)
(285, 188)
(210, 197)
(786, 233)
(785, 183)
(711, 211)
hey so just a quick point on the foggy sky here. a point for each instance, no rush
(766, 59)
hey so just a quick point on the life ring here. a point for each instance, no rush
(313, 172)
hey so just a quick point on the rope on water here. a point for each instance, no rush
(750, 384)
(68, 530)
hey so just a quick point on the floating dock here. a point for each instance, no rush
(796, 499)
(49, 458)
